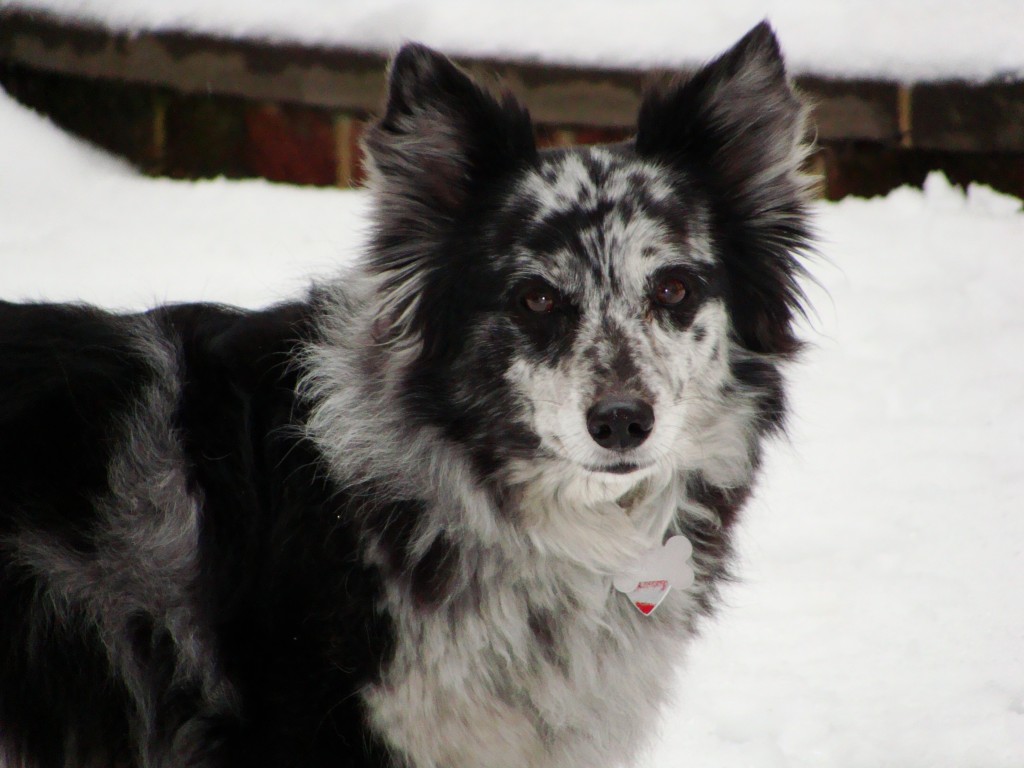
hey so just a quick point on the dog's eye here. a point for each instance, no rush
(669, 291)
(540, 302)
(539, 299)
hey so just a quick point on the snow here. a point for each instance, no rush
(879, 619)
(903, 40)
(78, 224)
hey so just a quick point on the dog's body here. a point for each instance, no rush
(379, 527)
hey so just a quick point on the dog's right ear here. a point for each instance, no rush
(441, 136)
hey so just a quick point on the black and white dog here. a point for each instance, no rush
(384, 526)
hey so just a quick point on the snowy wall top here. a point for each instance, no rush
(901, 40)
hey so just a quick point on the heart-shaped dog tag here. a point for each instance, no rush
(656, 572)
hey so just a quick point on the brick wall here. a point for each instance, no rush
(167, 133)
(191, 106)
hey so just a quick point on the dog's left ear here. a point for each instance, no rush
(737, 127)
(441, 136)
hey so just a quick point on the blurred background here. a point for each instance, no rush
(282, 90)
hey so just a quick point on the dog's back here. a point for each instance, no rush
(68, 378)
(152, 484)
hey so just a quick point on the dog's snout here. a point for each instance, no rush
(620, 423)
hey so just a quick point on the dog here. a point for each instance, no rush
(388, 524)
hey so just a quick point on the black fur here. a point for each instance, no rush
(292, 641)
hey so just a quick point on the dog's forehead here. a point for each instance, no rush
(594, 215)
(591, 176)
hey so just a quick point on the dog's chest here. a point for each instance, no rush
(527, 675)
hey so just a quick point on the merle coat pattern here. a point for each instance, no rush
(379, 526)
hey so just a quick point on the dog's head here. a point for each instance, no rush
(592, 316)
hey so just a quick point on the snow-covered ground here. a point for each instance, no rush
(897, 39)
(880, 617)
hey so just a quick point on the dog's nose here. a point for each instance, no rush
(620, 423)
